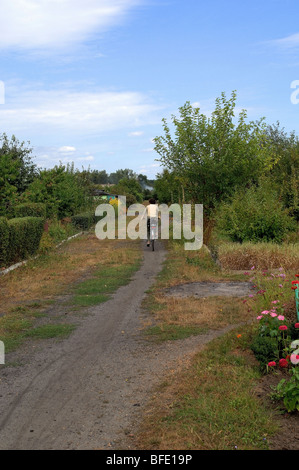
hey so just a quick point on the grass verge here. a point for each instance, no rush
(211, 405)
(191, 313)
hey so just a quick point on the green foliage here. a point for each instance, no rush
(4, 240)
(213, 157)
(288, 391)
(255, 214)
(30, 209)
(167, 187)
(127, 174)
(130, 186)
(19, 153)
(46, 243)
(130, 199)
(62, 191)
(84, 221)
(24, 237)
(16, 172)
(98, 177)
(264, 349)
(286, 171)
(8, 191)
(56, 231)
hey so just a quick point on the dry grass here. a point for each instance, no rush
(52, 274)
(236, 256)
(209, 403)
(210, 312)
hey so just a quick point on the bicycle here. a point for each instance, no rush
(153, 225)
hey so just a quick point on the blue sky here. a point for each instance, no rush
(90, 81)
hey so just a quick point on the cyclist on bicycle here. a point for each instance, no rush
(151, 212)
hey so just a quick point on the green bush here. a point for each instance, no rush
(4, 241)
(24, 237)
(264, 349)
(61, 189)
(83, 221)
(30, 209)
(255, 214)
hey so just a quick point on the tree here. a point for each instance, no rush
(115, 177)
(17, 171)
(286, 171)
(20, 156)
(214, 156)
(61, 189)
(167, 187)
(255, 214)
(130, 186)
(99, 177)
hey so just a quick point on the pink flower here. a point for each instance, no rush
(265, 312)
(272, 364)
(273, 314)
(283, 327)
(294, 358)
(280, 285)
(296, 325)
(280, 317)
(259, 317)
(275, 302)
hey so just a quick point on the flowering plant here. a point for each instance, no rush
(288, 391)
(273, 345)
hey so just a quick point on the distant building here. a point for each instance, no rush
(100, 193)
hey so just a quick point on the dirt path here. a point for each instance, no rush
(88, 391)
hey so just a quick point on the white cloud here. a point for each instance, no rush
(151, 169)
(90, 158)
(42, 24)
(136, 133)
(68, 112)
(67, 149)
(289, 42)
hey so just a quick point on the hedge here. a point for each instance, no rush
(4, 240)
(24, 235)
(85, 221)
(30, 209)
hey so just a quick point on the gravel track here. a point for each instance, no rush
(89, 391)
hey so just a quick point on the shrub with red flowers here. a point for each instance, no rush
(276, 344)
